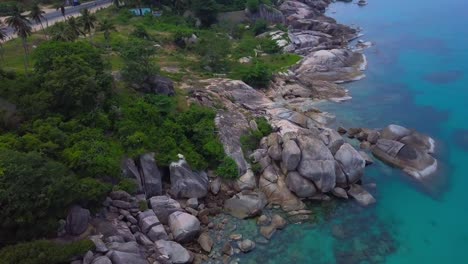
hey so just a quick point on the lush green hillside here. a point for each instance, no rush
(67, 123)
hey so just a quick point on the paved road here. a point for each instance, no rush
(73, 10)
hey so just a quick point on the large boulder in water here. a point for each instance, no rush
(302, 187)
(77, 220)
(420, 141)
(351, 162)
(394, 132)
(317, 163)
(245, 204)
(362, 196)
(163, 206)
(150, 175)
(174, 251)
(185, 183)
(414, 161)
(336, 65)
(185, 227)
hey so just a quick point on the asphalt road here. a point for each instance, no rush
(73, 10)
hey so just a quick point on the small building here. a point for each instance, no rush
(140, 11)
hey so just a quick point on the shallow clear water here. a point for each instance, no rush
(418, 78)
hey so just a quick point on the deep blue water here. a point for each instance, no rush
(417, 77)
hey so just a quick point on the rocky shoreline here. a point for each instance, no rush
(184, 216)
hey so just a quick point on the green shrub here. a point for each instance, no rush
(128, 185)
(251, 140)
(253, 5)
(228, 169)
(269, 46)
(180, 35)
(90, 191)
(140, 32)
(260, 26)
(263, 126)
(44, 251)
(143, 205)
(34, 191)
(257, 75)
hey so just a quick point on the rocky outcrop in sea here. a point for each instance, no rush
(184, 216)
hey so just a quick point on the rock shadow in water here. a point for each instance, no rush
(445, 77)
(363, 237)
(460, 138)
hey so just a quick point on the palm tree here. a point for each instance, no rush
(62, 31)
(75, 26)
(87, 20)
(3, 37)
(22, 27)
(107, 27)
(37, 14)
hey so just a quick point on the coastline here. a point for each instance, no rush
(302, 161)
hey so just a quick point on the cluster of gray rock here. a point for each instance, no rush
(126, 231)
(185, 183)
(310, 30)
(400, 147)
(311, 164)
(125, 234)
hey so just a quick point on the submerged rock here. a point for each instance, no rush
(246, 245)
(205, 242)
(362, 196)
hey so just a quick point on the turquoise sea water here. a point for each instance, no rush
(417, 77)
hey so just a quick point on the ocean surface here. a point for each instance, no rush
(417, 77)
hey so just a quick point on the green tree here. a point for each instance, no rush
(138, 57)
(74, 27)
(46, 53)
(62, 31)
(257, 75)
(214, 50)
(206, 11)
(37, 15)
(44, 251)
(3, 37)
(72, 85)
(22, 27)
(88, 21)
(106, 26)
(33, 192)
(252, 5)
